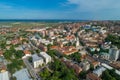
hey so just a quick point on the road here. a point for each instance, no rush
(31, 70)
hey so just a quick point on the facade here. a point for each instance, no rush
(91, 76)
(22, 74)
(4, 76)
(114, 54)
(46, 57)
(105, 56)
(27, 54)
(70, 64)
(37, 61)
(42, 47)
(99, 71)
(85, 65)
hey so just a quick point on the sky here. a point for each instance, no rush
(60, 9)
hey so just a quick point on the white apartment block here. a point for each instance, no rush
(114, 54)
(46, 57)
(37, 61)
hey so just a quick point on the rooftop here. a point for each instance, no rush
(26, 52)
(92, 76)
(22, 75)
(4, 76)
(44, 54)
(36, 57)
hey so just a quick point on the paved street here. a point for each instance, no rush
(31, 70)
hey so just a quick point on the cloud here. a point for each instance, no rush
(5, 6)
(94, 5)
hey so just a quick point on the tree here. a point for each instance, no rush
(82, 75)
(30, 59)
(76, 57)
(13, 78)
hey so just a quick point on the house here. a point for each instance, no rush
(95, 64)
(115, 64)
(42, 47)
(45, 57)
(91, 76)
(37, 61)
(70, 64)
(85, 65)
(66, 50)
(92, 61)
(1, 53)
(27, 53)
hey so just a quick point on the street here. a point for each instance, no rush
(31, 70)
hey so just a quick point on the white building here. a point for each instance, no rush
(37, 61)
(4, 76)
(77, 42)
(114, 54)
(99, 71)
(46, 57)
(22, 75)
(85, 65)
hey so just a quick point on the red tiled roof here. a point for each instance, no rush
(92, 76)
(26, 52)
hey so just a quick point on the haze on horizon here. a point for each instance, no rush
(60, 9)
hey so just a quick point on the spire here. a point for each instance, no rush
(77, 42)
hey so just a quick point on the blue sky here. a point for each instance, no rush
(60, 9)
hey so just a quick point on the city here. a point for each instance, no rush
(87, 50)
(59, 40)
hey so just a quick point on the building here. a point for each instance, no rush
(115, 64)
(85, 65)
(99, 71)
(1, 53)
(66, 50)
(37, 61)
(27, 53)
(70, 64)
(42, 47)
(3, 67)
(92, 61)
(45, 56)
(22, 75)
(105, 56)
(4, 76)
(114, 54)
(83, 54)
(77, 42)
(50, 33)
(91, 76)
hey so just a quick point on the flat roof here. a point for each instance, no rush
(22, 75)
(4, 76)
(44, 54)
(36, 57)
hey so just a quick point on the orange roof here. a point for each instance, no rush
(70, 37)
(77, 69)
(70, 52)
(95, 63)
(1, 52)
(26, 52)
(92, 76)
(90, 58)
